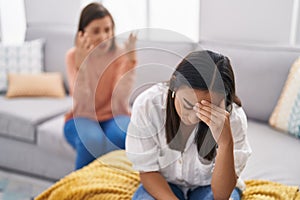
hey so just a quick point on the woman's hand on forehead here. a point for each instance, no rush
(216, 117)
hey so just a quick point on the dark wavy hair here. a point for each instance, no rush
(202, 70)
(95, 11)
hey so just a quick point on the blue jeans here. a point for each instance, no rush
(92, 139)
(200, 193)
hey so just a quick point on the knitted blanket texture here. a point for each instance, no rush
(111, 177)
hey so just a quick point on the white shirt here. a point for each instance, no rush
(147, 148)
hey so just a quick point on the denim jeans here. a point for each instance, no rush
(92, 139)
(200, 193)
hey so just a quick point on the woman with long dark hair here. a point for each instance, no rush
(188, 137)
(100, 75)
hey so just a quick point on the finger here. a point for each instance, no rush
(83, 41)
(132, 37)
(216, 117)
(213, 111)
(215, 126)
(206, 109)
(129, 38)
(90, 47)
(213, 119)
(85, 35)
(87, 43)
(78, 38)
(212, 106)
(204, 118)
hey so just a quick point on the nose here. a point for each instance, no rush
(102, 36)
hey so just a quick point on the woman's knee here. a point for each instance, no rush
(89, 131)
(115, 130)
(70, 132)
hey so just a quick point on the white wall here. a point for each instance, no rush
(53, 12)
(259, 21)
(298, 24)
(17, 15)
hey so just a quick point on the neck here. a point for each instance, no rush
(186, 130)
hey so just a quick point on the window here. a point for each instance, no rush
(13, 22)
(128, 15)
(178, 16)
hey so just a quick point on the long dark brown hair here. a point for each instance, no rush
(202, 70)
(95, 11)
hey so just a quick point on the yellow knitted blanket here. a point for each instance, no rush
(111, 177)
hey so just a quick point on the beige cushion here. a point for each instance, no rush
(27, 57)
(35, 85)
(286, 115)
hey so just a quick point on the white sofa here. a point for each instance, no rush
(260, 71)
(31, 128)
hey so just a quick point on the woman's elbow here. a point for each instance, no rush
(220, 197)
(220, 194)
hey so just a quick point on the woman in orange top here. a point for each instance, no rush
(100, 75)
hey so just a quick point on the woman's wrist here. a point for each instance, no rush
(225, 144)
(226, 139)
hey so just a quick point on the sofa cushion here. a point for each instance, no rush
(19, 117)
(286, 115)
(260, 73)
(58, 40)
(275, 155)
(35, 85)
(50, 136)
(28, 57)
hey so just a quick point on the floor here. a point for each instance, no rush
(15, 186)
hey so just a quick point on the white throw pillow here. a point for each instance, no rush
(25, 58)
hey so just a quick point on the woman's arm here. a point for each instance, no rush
(130, 47)
(157, 186)
(124, 87)
(224, 177)
(71, 69)
(76, 56)
(218, 119)
(83, 48)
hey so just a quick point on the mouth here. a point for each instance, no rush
(102, 45)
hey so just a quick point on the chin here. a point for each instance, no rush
(186, 122)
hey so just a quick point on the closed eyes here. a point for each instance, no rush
(187, 105)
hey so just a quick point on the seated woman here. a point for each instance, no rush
(188, 138)
(96, 67)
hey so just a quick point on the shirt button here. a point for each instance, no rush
(180, 161)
